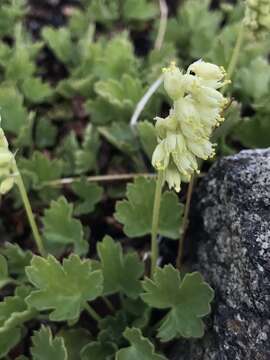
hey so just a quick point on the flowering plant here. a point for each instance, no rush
(76, 281)
(185, 134)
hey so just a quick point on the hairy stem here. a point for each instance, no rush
(92, 312)
(185, 224)
(29, 212)
(155, 222)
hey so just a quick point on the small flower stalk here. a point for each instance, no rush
(184, 135)
(257, 16)
(10, 175)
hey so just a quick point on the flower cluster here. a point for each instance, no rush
(257, 16)
(7, 162)
(184, 135)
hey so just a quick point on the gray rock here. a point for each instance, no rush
(231, 225)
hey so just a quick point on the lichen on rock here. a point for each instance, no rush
(230, 226)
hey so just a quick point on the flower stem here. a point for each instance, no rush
(92, 312)
(236, 51)
(108, 303)
(162, 24)
(185, 224)
(155, 222)
(29, 212)
(99, 178)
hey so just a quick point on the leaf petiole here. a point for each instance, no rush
(29, 212)
(109, 304)
(185, 224)
(92, 312)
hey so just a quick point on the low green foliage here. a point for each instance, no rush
(98, 350)
(47, 347)
(61, 229)
(121, 272)
(14, 312)
(68, 90)
(89, 195)
(188, 300)
(140, 347)
(73, 283)
(140, 201)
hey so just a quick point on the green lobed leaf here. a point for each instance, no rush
(120, 51)
(142, 10)
(20, 66)
(140, 347)
(4, 277)
(124, 93)
(17, 258)
(14, 310)
(8, 341)
(193, 28)
(121, 136)
(140, 200)
(59, 41)
(46, 347)
(254, 132)
(86, 156)
(223, 45)
(10, 13)
(121, 272)
(73, 86)
(13, 113)
(103, 12)
(46, 133)
(75, 340)
(67, 152)
(138, 311)
(63, 288)
(102, 112)
(35, 90)
(25, 136)
(188, 300)
(41, 169)
(98, 351)
(78, 23)
(5, 53)
(38, 172)
(13, 313)
(112, 328)
(253, 81)
(61, 229)
(89, 194)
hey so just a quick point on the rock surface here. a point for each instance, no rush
(231, 225)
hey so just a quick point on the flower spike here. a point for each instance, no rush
(184, 135)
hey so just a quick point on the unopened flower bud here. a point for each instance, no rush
(161, 156)
(206, 70)
(6, 185)
(173, 81)
(173, 178)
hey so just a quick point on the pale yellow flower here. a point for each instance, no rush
(184, 135)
